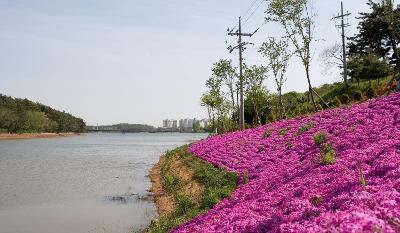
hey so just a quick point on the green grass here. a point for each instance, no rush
(217, 183)
(305, 128)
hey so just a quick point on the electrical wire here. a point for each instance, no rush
(251, 6)
(247, 11)
(255, 10)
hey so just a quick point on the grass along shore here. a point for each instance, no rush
(11, 136)
(185, 186)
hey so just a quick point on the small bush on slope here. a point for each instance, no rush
(328, 154)
(320, 138)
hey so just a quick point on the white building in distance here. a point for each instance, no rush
(170, 124)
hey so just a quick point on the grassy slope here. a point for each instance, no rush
(196, 186)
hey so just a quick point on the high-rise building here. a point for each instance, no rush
(165, 123)
(170, 124)
(174, 124)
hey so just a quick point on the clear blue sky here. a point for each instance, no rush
(134, 61)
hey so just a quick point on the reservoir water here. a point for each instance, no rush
(90, 183)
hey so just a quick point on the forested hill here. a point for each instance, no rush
(123, 127)
(25, 116)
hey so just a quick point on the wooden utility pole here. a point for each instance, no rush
(343, 26)
(241, 47)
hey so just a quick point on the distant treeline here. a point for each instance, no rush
(128, 128)
(25, 116)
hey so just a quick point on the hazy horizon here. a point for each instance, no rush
(137, 61)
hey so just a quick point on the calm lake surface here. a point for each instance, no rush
(91, 183)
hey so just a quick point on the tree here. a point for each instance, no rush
(22, 115)
(224, 70)
(331, 56)
(393, 22)
(278, 55)
(378, 32)
(298, 21)
(254, 77)
(368, 67)
(213, 99)
(257, 106)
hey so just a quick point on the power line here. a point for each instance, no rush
(251, 6)
(255, 10)
(246, 12)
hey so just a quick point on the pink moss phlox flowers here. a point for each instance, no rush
(289, 190)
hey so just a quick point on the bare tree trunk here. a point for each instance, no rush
(232, 97)
(280, 102)
(310, 88)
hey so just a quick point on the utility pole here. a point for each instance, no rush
(241, 47)
(343, 26)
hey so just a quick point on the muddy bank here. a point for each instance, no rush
(164, 202)
(6, 136)
(184, 186)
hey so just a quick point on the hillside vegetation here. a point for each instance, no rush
(335, 171)
(191, 187)
(25, 116)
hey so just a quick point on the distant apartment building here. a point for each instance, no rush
(184, 125)
(174, 124)
(170, 124)
(187, 125)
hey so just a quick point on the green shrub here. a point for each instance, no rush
(328, 155)
(370, 93)
(345, 98)
(319, 107)
(320, 138)
(305, 128)
(358, 95)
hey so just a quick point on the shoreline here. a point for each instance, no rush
(184, 186)
(163, 201)
(11, 136)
